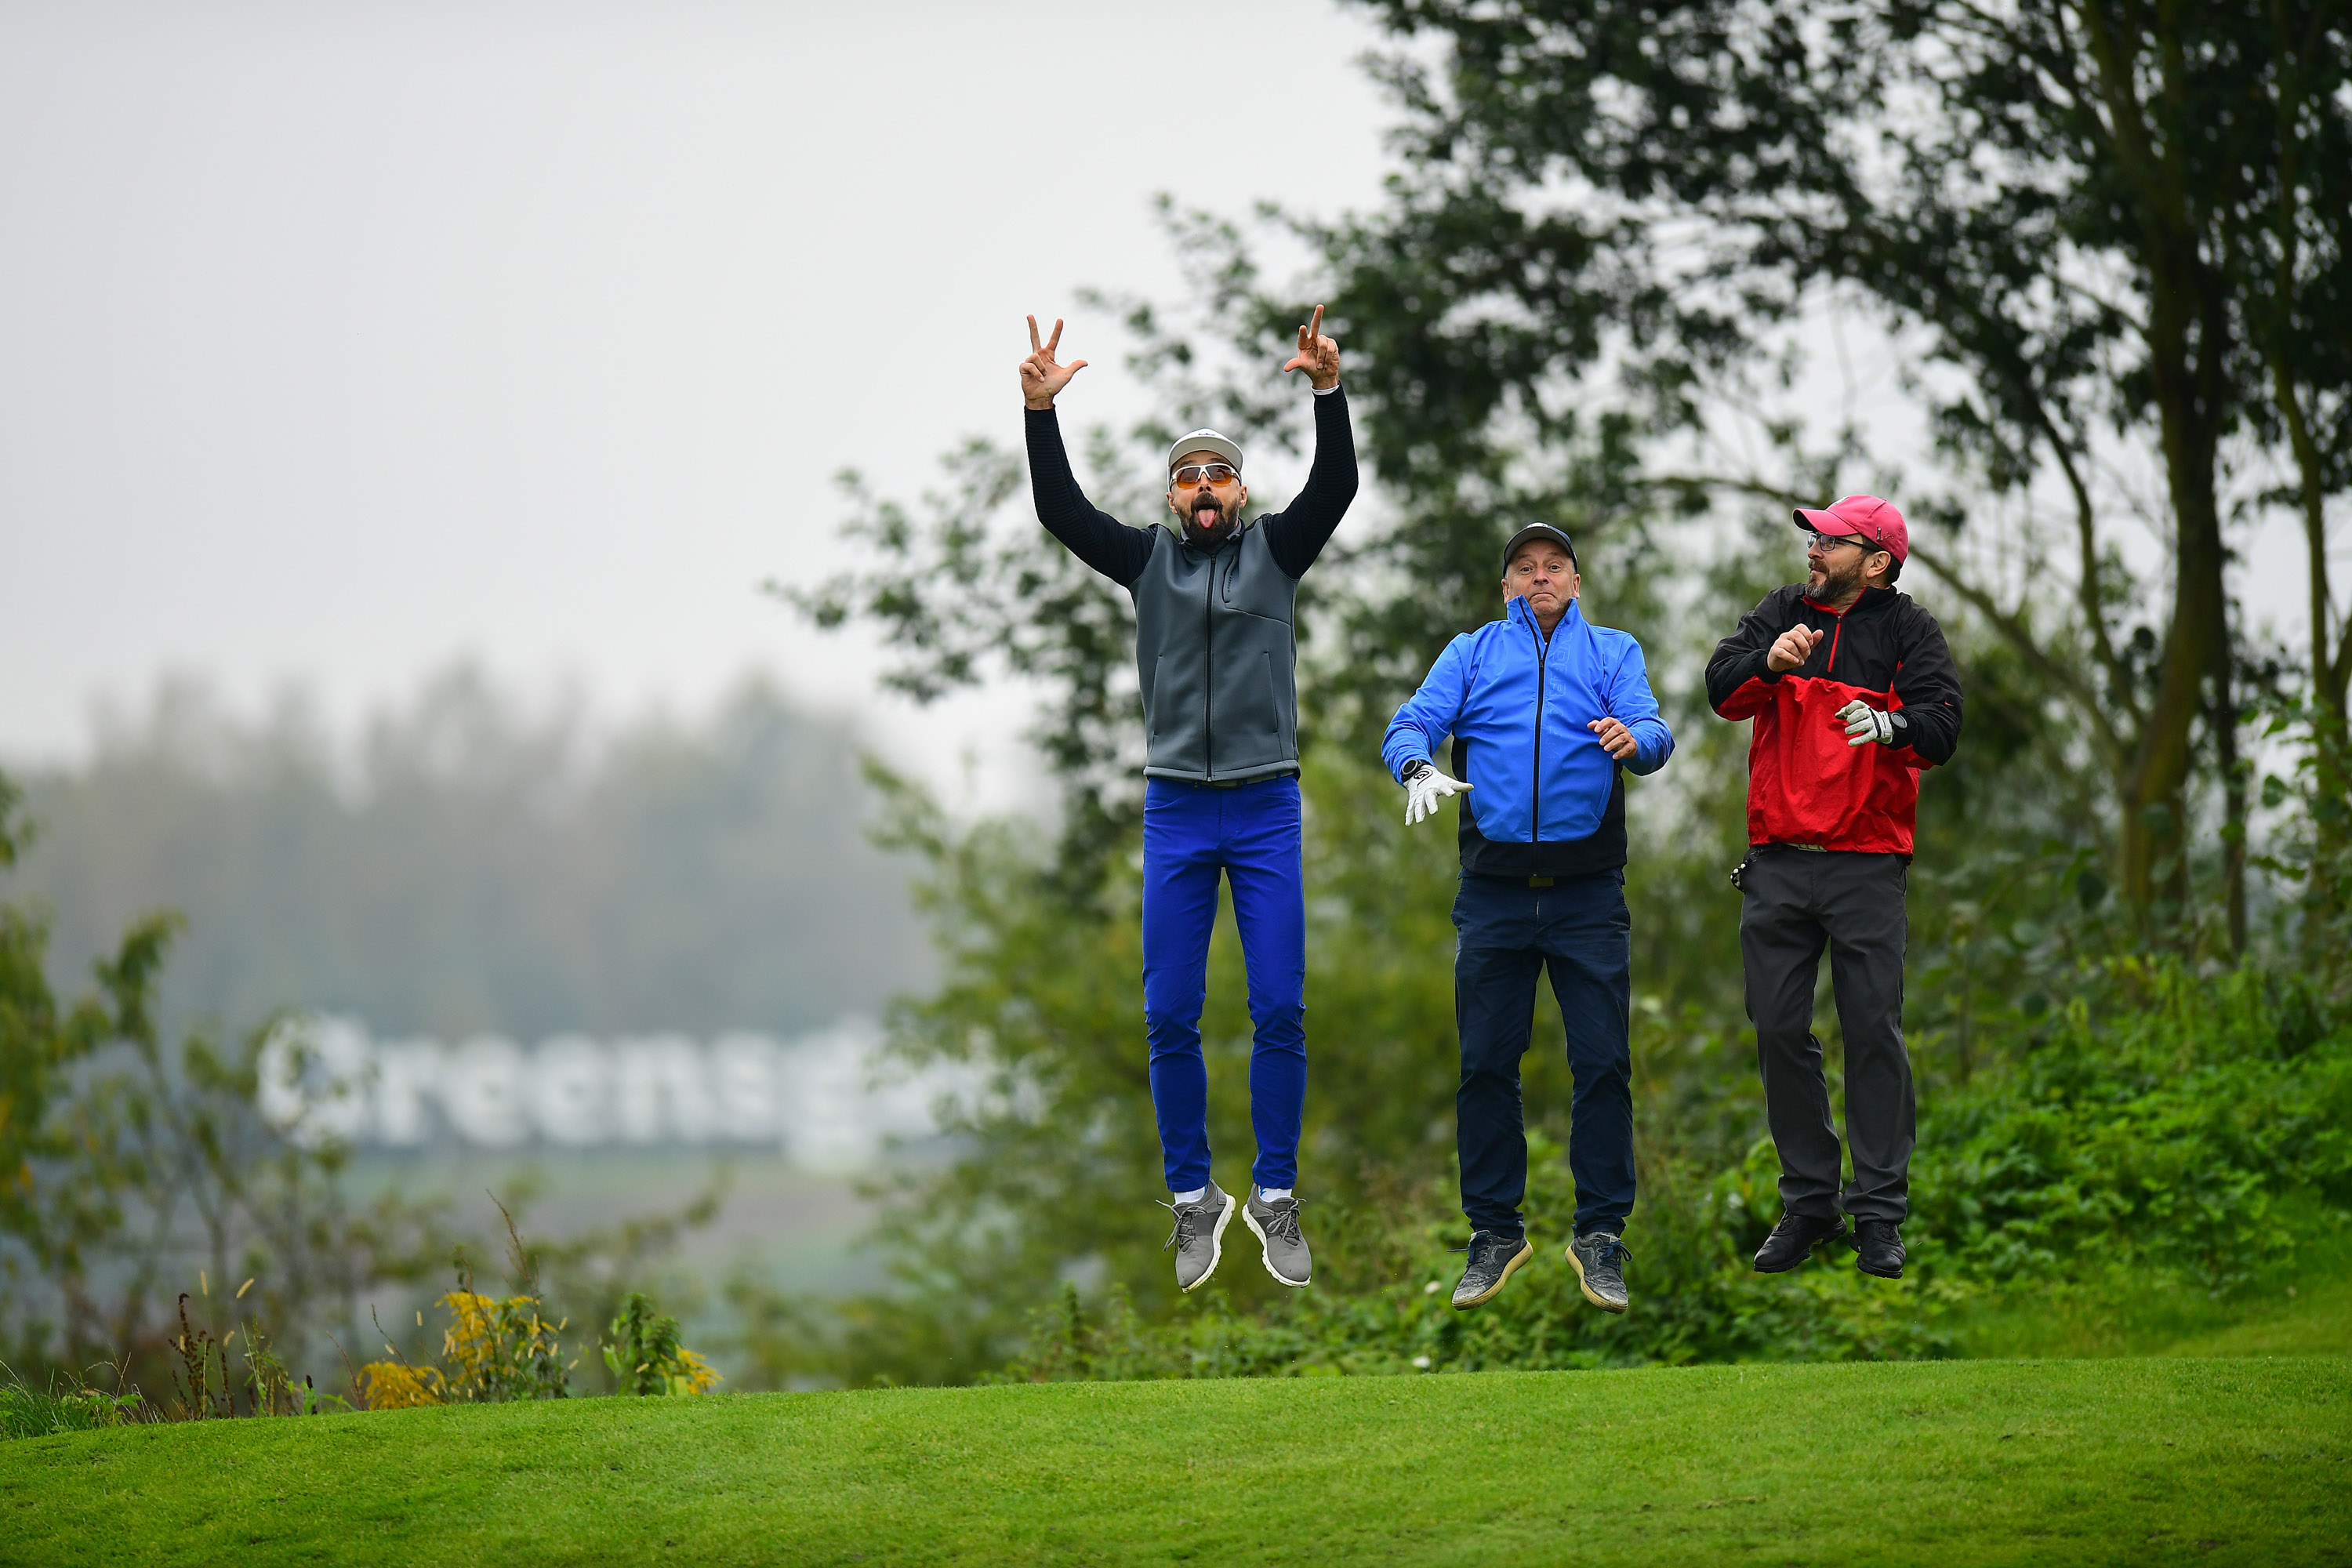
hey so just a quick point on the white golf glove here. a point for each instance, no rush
(1865, 723)
(1424, 788)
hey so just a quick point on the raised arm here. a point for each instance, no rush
(1297, 535)
(1094, 536)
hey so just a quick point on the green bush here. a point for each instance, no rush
(69, 1406)
(1696, 1299)
(645, 1356)
(2195, 1128)
(2164, 1118)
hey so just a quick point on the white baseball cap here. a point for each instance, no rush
(1204, 441)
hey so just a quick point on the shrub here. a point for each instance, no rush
(67, 1405)
(2190, 1125)
(2163, 1117)
(646, 1358)
(396, 1386)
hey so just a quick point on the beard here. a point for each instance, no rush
(1207, 524)
(1827, 582)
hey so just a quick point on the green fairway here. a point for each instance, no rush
(2050, 1462)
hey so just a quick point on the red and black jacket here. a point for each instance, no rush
(1805, 783)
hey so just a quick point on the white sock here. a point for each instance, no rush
(1271, 1195)
(1194, 1197)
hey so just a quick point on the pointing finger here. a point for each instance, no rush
(1033, 345)
(1055, 340)
(1315, 327)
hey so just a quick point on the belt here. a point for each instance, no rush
(1534, 881)
(1245, 783)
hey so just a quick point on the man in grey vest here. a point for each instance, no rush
(1217, 655)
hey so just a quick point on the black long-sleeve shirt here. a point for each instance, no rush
(1295, 536)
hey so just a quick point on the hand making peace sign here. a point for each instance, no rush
(1040, 377)
(1318, 356)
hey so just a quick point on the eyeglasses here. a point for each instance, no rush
(1192, 474)
(1818, 540)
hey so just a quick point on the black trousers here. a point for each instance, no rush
(1799, 901)
(1579, 932)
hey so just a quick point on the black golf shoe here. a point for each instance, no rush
(1878, 1247)
(1793, 1239)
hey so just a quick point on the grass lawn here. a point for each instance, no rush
(2303, 1310)
(2126, 1461)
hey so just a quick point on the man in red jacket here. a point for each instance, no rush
(1853, 692)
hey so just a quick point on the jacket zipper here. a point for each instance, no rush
(1209, 671)
(1837, 629)
(1535, 780)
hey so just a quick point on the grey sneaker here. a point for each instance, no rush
(1493, 1260)
(1276, 1223)
(1199, 1237)
(1599, 1260)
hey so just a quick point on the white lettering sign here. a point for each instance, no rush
(325, 1079)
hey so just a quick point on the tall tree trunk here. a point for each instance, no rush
(2331, 817)
(2324, 892)
(2187, 334)
(2224, 722)
(2156, 818)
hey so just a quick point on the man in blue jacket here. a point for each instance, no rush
(1547, 713)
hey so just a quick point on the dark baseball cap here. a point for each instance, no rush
(1534, 531)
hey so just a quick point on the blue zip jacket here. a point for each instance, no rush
(1516, 708)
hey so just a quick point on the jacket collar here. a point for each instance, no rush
(1176, 529)
(1873, 601)
(1517, 611)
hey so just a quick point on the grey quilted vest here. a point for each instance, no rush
(1218, 659)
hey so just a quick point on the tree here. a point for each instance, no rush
(2294, 287)
(2052, 200)
(132, 1168)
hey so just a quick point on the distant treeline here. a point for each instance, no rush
(471, 866)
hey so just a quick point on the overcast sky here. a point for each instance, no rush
(341, 341)
(338, 341)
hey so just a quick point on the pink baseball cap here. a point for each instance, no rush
(1873, 522)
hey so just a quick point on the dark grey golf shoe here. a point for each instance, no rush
(1199, 1237)
(1283, 1249)
(1492, 1262)
(1600, 1261)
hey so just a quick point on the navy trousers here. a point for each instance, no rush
(1578, 928)
(1249, 835)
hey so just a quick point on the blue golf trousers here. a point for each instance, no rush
(1250, 833)
(1509, 932)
